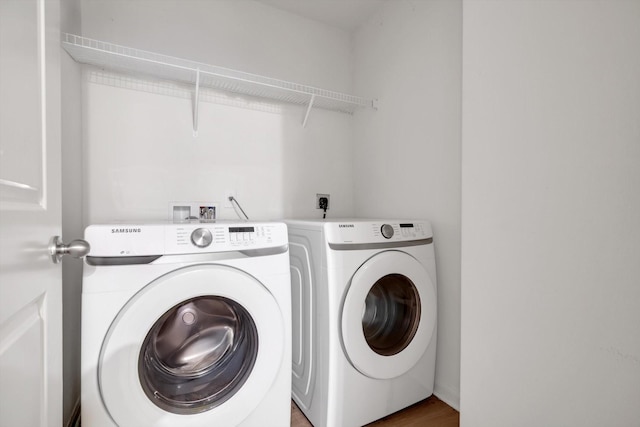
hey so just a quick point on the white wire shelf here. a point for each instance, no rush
(121, 58)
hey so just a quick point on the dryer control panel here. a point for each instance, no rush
(379, 231)
(113, 240)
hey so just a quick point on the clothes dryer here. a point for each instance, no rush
(186, 325)
(364, 318)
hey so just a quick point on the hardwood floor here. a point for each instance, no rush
(431, 412)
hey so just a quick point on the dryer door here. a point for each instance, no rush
(199, 346)
(388, 315)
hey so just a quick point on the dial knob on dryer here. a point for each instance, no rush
(387, 231)
(201, 237)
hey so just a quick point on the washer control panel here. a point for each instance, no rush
(183, 238)
(215, 237)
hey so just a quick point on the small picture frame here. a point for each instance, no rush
(207, 213)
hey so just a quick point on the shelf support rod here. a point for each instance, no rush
(196, 101)
(306, 116)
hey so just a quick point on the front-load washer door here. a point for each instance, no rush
(199, 346)
(388, 315)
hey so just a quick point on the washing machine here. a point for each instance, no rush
(364, 318)
(186, 325)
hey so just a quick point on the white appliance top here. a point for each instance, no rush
(129, 240)
(364, 231)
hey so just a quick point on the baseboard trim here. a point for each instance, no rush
(448, 396)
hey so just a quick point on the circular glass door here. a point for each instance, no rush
(198, 354)
(200, 345)
(391, 314)
(388, 315)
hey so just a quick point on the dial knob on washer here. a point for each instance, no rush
(201, 237)
(387, 231)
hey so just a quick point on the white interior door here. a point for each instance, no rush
(30, 284)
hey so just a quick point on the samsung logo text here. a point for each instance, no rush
(126, 230)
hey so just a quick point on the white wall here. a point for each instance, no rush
(551, 202)
(407, 154)
(139, 150)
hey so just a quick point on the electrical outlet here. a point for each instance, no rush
(320, 196)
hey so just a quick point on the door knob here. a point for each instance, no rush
(77, 248)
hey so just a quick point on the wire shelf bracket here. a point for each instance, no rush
(196, 102)
(129, 60)
(306, 116)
